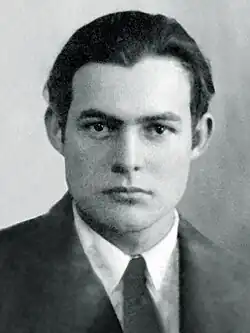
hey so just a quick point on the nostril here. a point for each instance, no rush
(122, 169)
(118, 168)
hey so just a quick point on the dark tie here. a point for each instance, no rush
(140, 313)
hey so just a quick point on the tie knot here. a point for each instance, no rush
(136, 270)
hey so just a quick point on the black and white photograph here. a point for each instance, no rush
(125, 166)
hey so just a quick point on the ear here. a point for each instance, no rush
(202, 135)
(54, 130)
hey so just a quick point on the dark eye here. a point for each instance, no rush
(98, 127)
(159, 129)
(156, 129)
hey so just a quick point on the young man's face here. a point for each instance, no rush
(128, 141)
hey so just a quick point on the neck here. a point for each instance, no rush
(136, 241)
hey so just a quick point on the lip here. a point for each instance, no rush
(126, 190)
(128, 196)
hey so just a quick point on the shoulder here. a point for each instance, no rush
(195, 242)
(215, 283)
(22, 245)
(34, 235)
(217, 269)
(21, 232)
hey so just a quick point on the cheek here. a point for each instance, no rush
(171, 161)
(83, 159)
(170, 175)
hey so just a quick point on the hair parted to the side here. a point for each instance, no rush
(123, 38)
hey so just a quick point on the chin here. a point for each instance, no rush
(124, 228)
(128, 222)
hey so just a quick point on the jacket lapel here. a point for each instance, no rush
(80, 302)
(189, 317)
(211, 294)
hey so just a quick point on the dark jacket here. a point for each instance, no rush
(47, 284)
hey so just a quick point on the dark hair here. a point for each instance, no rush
(123, 38)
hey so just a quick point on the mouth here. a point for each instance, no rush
(128, 195)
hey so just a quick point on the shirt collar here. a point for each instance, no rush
(158, 257)
(110, 263)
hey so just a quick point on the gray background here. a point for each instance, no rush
(32, 173)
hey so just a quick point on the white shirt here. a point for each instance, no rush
(109, 262)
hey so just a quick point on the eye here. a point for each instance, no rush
(97, 129)
(159, 129)
(156, 130)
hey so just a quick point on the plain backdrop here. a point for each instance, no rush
(32, 173)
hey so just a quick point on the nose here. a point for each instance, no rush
(128, 154)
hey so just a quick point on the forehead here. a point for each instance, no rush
(154, 83)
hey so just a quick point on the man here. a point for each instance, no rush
(128, 110)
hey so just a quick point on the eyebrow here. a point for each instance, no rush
(95, 113)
